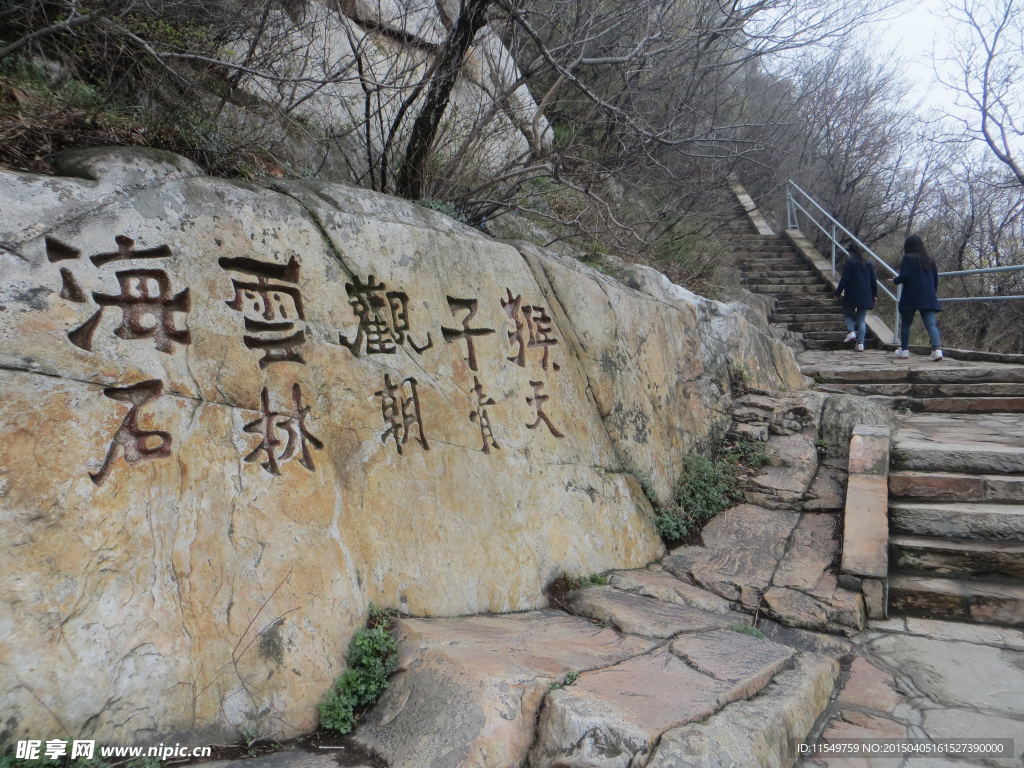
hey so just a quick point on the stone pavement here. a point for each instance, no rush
(629, 680)
(925, 679)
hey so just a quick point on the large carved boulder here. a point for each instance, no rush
(234, 415)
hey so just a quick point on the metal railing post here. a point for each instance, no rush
(790, 210)
(833, 249)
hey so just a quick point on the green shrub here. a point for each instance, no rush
(747, 453)
(372, 657)
(747, 629)
(673, 525)
(707, 488)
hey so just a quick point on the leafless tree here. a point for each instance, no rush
(988, 75)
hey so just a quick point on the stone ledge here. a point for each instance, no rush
(753, 212)
(866, 516)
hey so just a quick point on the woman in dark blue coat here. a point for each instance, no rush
(859, 289)
(920, 280)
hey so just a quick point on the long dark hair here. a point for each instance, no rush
(855, 253)
(914, 244)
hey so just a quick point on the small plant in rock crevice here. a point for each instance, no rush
(372, 657)
(748, 629)
(823, 447)
(706, 487)
(569, 679)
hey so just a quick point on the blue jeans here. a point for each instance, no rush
(928, 318)
(854, 317)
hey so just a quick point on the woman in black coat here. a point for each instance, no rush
(920, 280)
(859, 289)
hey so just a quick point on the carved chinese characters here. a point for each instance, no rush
(532, 329)
(271, 305)
(136, 443)
(148, 305)
(400, 408)
(150, 309)
(292, 424)
(480, 416)
(264, 297)
(383, 318)
(270, 301)
(466, 333)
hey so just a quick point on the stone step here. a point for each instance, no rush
(778, 289)
(809, 317)
(766, 274)
(921, 371)
(950, 486)
(958, 520)
(781, 278)
(801, 305)
(789, 265)
(828, 327)
(811, 332)
(781, 261)
(828, 346)
(973, 404)
(959, 558)
(774, 264)
(989, 389)
(985, 602)
(961, 404)
(972, 457)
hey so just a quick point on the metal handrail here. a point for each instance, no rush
(792, 208)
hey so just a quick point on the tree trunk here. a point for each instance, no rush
(424, 130)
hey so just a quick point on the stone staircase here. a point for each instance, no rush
(803, 302)
(956, 484)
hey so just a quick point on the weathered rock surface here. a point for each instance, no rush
(644, 616)
(290, 758)
(758, 732)
(842, 413)
(792, 464)
(933, 681)
(614, 716)
(779, 562)
(224, 404)
(468, 690)
(663, 586)
(990, 681)
(804, 590)
(742, 547)
(827, 492)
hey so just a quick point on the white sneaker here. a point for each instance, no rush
(859, 348)
(903, 354)
(850, 337)
(936, 355)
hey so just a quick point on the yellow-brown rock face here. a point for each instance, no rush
(233, 416)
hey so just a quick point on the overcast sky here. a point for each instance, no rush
(913, 36)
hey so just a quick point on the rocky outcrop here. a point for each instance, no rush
(353, 72)
(234, 415)
(776, 555)
(661, 684)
